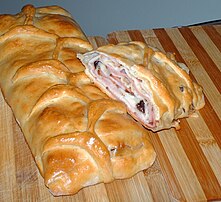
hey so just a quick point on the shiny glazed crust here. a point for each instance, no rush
(77, 135)
(174, 94)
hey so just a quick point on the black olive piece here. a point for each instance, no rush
(140, 106)
(96, 63)
(181, 88)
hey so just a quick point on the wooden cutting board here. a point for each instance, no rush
(188, 164)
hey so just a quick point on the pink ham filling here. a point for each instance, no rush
(111, 76)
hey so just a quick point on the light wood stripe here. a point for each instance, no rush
(166, 168)
(133, 189)
(157, 183)
(7, 180)
(91, 193)
(26, 172)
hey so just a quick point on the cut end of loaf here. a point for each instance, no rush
(114, 78)
(156, 89)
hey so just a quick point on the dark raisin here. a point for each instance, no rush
(99, 72)
(151, 123)
(96, 63)
(140, 106)
(123, 71)
(181, 88)
(113, 150)
(128, 90)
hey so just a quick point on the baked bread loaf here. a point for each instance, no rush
(156, 89)
(77, 135)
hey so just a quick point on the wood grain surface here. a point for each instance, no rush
(188, 164)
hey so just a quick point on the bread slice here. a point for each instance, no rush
(156, 89)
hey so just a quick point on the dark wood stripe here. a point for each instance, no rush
(111, 38)
(212, 121)
(203, 170)
(167, 43)
(214, 35)
(209, 115)
(135, 35)
(166, 168)
(202, 56)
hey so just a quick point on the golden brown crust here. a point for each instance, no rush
(83, 159)
(70, 126)
(174, 94)
(108, 119)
